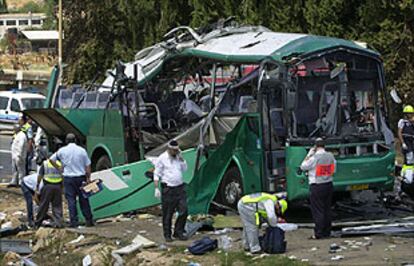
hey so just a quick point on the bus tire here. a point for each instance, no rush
(103, 163)
(231, 188)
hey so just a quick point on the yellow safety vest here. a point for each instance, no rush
(51, 174)
(262, 197)
(26, 127)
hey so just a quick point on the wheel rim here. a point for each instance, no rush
(232, 192)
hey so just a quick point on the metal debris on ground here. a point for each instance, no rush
(15, 245)
(395, 228)
(337, 257)
(137, 243)
(77, 240)
(87, 260)
(27, 262)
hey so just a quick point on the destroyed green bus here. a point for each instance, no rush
(245, 105)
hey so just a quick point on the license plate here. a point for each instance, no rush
(358, 187)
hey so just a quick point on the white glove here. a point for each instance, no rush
(404, 146)
(157, 193)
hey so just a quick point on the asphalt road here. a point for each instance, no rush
(5, 158)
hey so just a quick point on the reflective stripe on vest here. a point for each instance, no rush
(260, 197)
(26, 127)
(325, 167)
(52, 175)
(407, 173)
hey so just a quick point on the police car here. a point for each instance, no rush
(12, 103)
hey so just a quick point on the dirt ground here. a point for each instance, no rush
(51, 248)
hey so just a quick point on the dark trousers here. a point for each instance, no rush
(320, 203)
(408, 189)
(173, 199)
(72, 192)
(28, 197)
(50, 194)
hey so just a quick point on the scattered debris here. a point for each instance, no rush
(261, 256)
(137, 243)
(146, 216)
(333, 248)
(292, 257)
(10, 258)
(221, 232)
(394, 228)
(87, 260)
(118, 259)
(15, 245)
(304, 260)
(9, 231)
(27, 262)
(2, 216)
(77, 240)
(45, 236)
(337, 257)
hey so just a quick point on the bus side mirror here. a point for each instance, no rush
(290, 97)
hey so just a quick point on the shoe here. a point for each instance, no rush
(181, 237)
(90, 223)
(168, 239)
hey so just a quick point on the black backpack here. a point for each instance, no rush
(273, 241)
(202, 246)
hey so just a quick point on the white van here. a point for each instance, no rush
(12, 103)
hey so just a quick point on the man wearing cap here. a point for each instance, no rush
(254, 209)
(169, 169)
(321, 166)
(76, 171)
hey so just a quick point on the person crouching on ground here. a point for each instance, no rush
(28, 186)
(169, 169)
(254, 209)
(321, 166)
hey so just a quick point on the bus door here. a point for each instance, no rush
(273, 86)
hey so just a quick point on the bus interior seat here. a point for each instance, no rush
(244, 103)
(102, 99)
(89, 101)
(76, 98)
(65, 98)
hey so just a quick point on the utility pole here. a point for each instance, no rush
(60, 46)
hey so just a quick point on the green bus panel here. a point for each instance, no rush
(362, 172)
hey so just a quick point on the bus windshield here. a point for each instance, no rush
(327, 106)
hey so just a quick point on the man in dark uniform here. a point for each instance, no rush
(320, 166)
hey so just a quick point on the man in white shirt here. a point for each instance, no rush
(321, 166)
(169, 169)
(19, 153)
(76, 172)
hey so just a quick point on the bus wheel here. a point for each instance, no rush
(103, 163)
(231, 188)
